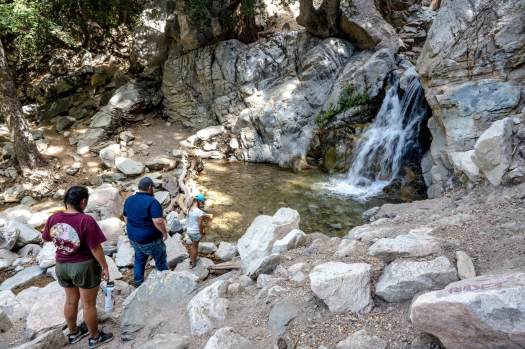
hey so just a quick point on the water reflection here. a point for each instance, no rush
(238, 192)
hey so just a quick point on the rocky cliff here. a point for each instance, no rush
(472, 67)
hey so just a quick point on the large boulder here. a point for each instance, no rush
(402, 279)
(292, 240)
(104, 202)
(175, 250)
(480, 313)
(21, 278)
(11, 306)
(8, 238)
(333, 282)
(226, 251)
(201, 269)
(471, 81)
(129, 167)
(48, 340)
(281, 314)
(112, 228)
(227, 338)
(46, 257)
(493, 150)
(362, 22)
(417, 243)
(27, 234)
(47, 310)
(109, 154)
(161, 293)
(125, 256)
(258, 241)
(208, 307)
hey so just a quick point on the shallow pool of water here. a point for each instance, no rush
(238, 192)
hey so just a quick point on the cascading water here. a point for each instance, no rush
(384, 145)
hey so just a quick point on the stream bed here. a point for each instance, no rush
(237, 192)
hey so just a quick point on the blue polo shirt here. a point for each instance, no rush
(140, 209)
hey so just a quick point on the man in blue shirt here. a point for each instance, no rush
(146, 229)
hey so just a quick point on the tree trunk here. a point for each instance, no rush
(25, 148)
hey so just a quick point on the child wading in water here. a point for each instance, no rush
(195, 226)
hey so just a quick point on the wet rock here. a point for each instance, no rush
(417, 243)
(403, 279)
(47, 310)
(257, 243)
(493, 150)
(207, 307)
(362, 340)
(168, 289)
(282, 313)
(125, 256)
(21, 278)
(226, 251)
(293, 239)
(49, 340)
(201, 269)
(167, 341)
(104, 202)
(465, 266)
(46, 257)
(129, 167)
(334, 281)
(207, 247)
(109, 154)
(480, 313)
(227, 338)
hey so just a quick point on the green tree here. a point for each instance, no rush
(33, 27)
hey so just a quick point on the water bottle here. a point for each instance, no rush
(108, 301)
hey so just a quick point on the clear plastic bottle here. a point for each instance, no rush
(108, 299)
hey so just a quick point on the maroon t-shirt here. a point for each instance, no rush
(74, 235)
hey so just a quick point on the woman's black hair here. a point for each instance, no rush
(74, 197)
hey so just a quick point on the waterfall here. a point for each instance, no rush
(386, 143)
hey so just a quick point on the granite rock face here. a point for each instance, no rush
(472, 72)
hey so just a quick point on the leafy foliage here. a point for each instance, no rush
(348, 98)
(33, 26)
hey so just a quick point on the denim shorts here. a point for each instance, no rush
(194, 235)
